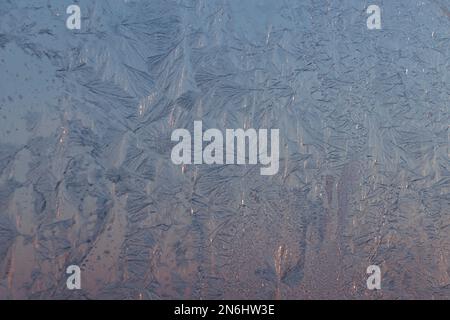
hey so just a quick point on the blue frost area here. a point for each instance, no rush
(86, 176)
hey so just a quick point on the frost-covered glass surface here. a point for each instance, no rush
(86, 177)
